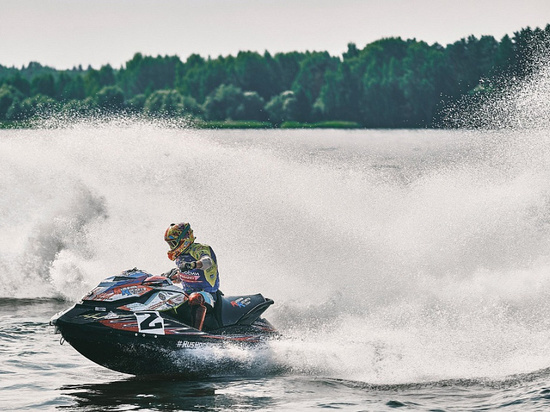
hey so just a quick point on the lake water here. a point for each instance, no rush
(409, 269)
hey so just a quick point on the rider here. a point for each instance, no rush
(198, 269)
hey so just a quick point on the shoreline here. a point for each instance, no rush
(228, 124)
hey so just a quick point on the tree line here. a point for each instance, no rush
(389, 83)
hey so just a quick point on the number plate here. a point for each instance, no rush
(150, 322)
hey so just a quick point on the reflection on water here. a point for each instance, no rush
(156, 395)
(303, 393)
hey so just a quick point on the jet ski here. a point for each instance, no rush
(139, 324)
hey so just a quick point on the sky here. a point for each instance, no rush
(67, 33)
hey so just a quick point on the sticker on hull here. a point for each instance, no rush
(150, 322)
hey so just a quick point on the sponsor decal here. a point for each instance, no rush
(241, 302)
(155, 303)
(133, 290)
(183, 344)
(190, 278)
(127, 323)
(103, 296)
(156, 306)
(94, 316)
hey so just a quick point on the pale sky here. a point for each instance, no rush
(66, 33)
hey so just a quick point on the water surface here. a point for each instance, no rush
(410, 269)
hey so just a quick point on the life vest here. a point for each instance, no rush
(198, 279)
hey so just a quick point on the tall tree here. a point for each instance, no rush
(43, 84)
(309, 81)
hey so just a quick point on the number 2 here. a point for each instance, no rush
(150, 322)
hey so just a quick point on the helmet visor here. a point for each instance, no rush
(173, 243)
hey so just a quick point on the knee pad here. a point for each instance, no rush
(201, 298)
(196, 298)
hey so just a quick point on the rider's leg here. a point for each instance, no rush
(199, 300)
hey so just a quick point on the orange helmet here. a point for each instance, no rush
(179, 237)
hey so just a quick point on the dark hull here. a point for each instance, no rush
(135, 358)
(137, 353)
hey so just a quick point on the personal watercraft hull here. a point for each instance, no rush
(139, 353)
(138, 324)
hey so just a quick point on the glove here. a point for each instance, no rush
(172, 274)
(189, 265)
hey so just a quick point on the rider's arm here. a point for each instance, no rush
(205, 262)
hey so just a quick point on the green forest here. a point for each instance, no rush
(390, 83)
